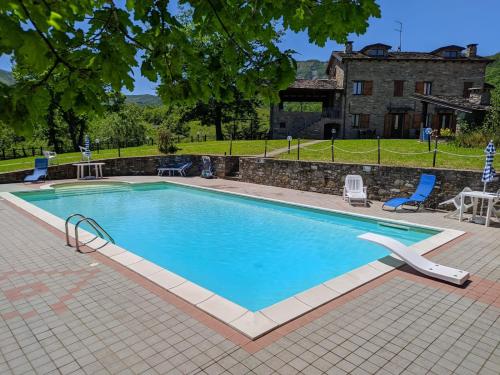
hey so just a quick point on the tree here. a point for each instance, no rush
(215, 112)
(93, 45)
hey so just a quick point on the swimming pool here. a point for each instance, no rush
(252, 252)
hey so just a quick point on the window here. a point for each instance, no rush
(445, 121)
(450, 54)
(355, 120)
(376, 52)
(282, 125)
(467, 86)
(427, 88)
(357, 88)
(360, 121)
(398, 88)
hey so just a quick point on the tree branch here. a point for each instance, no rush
(226, 30)
(44, 38)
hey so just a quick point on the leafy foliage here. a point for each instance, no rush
(84, 48)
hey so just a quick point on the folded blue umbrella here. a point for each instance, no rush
(424, 189)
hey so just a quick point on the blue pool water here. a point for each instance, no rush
(250, 251)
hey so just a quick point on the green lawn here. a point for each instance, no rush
(212, 147)
(365, 152)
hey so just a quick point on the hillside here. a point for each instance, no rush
(311, 69)
(147, 99)
(6, 77)
(493, 72)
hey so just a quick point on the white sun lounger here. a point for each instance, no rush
(418, 262)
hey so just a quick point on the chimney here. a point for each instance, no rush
(471, 50)
(348, 47)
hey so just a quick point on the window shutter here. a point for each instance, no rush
(467, 86)
(367, 87)
(417, 119)
(419, 87)
(364, 121)
(387, 125)
(435, 121)
(398, 88)
(406, 124)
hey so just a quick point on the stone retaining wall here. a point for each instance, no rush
(383, 182)
(134, 166)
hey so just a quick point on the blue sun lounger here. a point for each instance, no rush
(40, 172)
(424, 189)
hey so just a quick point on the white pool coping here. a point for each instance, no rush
(251, 324)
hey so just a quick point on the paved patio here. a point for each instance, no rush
(65, 312)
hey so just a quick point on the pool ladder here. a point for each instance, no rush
(101, 233)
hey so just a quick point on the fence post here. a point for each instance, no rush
(298, 148)
(119, 151)
(333, 149)
(231, 145)
(435, 152)
(32, 151)
(378, 146)
(41, 150)
(205, 137)
(265, 148)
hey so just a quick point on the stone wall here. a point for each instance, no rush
(134, 166)
(383, 182)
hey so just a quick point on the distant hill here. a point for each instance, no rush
(147, 99)
(6, 77)
(311, 69)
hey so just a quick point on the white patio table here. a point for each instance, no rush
(80, 170)
(476, 196)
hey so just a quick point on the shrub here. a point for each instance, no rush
(446, 133)
(166, 142)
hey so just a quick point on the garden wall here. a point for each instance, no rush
(134, 166)
(383, 182)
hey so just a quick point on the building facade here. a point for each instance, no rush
(379, 92)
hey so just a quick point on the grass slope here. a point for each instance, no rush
(365, 151)
(211, 147)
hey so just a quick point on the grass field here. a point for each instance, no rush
(349, 151)
(365, 151)
(212, 147)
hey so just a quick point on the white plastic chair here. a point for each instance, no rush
(354, 189)
(457, 201)
(50, 155)
(85, 154)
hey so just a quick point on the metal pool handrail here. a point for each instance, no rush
(101, 232)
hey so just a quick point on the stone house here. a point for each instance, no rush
(379, 92)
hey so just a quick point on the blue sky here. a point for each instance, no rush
(427, 24)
